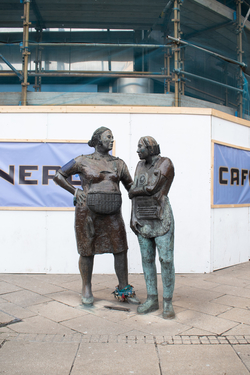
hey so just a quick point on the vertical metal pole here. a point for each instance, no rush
(176, 49)
(182, 62)
(142, 53)
(239, 57)
(168, 70)
(165, 71)
(226, 82)
(25, 53)
(38, 61)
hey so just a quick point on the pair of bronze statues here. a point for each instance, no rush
(99, 226)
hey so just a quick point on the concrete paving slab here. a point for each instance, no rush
(234, 291)
(15, 310)
(4, 318)
(200, 359)
(37, 358)
(35, 283)
(197, 282)
(7, 287)
(6, 334)
(210, 308)
(234, 301)
(240, 329)
(228, 280)
(122, 359)
(244, 275)
(3, 330)
(155, 325)
(196, 293)
(39, 324)
(112, 315)
(61, 279)
(74, 285)
(237, 315)
(204, 321)
(92, 324)
(25, 298)
(56, 311)
(243, 352)
(68, 297)
(197, 332)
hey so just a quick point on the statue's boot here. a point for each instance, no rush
(151, 304)
(168, 310)
(133, 300)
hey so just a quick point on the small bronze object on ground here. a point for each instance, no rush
(118, 308)
(153, 222)
(99, 226)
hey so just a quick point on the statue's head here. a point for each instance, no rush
(151, 144)
(96, 137)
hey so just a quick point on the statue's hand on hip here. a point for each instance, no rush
(80, 196)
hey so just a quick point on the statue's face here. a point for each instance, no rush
(142, 150)
(107, 140)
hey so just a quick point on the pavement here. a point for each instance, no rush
(45, 330)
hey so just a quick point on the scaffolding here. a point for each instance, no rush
(174, 65)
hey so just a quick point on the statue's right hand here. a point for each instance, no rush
(80, 196)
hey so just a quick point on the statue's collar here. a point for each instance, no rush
(154, 161)
(97, 156)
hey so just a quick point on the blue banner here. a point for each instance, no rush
(231, 175)
(27, 170)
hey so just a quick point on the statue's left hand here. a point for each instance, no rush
(135, 224)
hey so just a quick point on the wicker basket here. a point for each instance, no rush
(104, 203)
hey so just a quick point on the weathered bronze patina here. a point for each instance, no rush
(99, 226)
(153, 222)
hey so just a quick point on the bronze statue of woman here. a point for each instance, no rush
(99, 226)
(153, 222)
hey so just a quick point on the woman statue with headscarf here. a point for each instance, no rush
(99, 226)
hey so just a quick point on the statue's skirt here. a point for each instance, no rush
(99, 233)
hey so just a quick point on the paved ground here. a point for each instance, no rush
(55, 335)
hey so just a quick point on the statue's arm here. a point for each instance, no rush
(126, 179)
(164, 175)
(61, 180)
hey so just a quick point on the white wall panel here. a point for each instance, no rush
(23, 242)
(44, 241)
(230, 227)
(231, 241)
(230, 132)
(23, 126)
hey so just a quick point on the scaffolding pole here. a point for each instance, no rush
(239, 57)
(25, 53)
(38, 61)
(176, 50)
